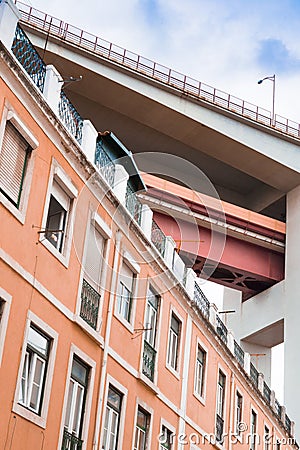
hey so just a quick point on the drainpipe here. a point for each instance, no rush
(231, 413)
(106, 340)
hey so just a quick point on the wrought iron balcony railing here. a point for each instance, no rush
(158, 238)
(254, 374)
(267, 393)
(239, 353)
(219, 428)
(288, 424)
(105, 164)
(149, 356)
(222, 330)
(71, 442)
(29, 58)
(133, 204)
(90, 301)
(201, 301)
(70, 117)
(277, 408)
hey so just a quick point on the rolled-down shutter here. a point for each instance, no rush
(13, 156)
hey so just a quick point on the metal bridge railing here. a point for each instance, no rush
(158, 72)
(29, 58)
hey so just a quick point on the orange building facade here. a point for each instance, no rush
(106, 339)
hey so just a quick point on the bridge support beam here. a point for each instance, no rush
(292, 309)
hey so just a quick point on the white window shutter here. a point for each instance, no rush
(13, 156)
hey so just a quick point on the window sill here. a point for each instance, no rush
(173, 371)
(17, 213)
(124, 322)
(145, 380)
(95, 335)
(60, 256)
(29, 415)
(199, 398)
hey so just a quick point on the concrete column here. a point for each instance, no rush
(169, 251)
(190, 281)
(178, 266)
(230, 341)
(232, 300)
(9, 17)
(213, 314)
(292, 310)
(260, 383)
(247, 361)
(89, 138)
(146, 220)
(120, 183)
(52, 87)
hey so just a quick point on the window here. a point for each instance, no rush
(166, 439)
(59, 207)
(125, 292)
(200, 371)
(220, 406)
(238, 413)
(141, 430)
(90, 296)
(149, 352)
(75, 404)
(112, 419)
(173, 347)
(253, 429)
(34, 370)
(14, 156)
(267, 438)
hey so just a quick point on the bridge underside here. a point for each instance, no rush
(150, 117)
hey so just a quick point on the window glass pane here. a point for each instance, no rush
(38, 342)
(175, 324)
(141, 419)
(78, 409)
(79, 371)
(200, 355)
(69, 404)
(114, 399)
(55, 225)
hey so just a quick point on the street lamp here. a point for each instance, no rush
(272, 78)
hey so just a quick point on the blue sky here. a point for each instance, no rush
(228, 44)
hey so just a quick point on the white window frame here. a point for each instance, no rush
(132, 265)
(59, 176)
(164, 423)
(10, 115)
(176, 371)
(140, 432)
(256, 442)
(6, 298)
(222, 369)
(117, 385)
(201, 398)
(267, 445)
(238, 432)
(96, 221)
(41, 419)
(89, 395)
(143, 405)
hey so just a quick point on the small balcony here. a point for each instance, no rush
(201, 301)
(90, 301)
(71, 442)
(149, 356)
